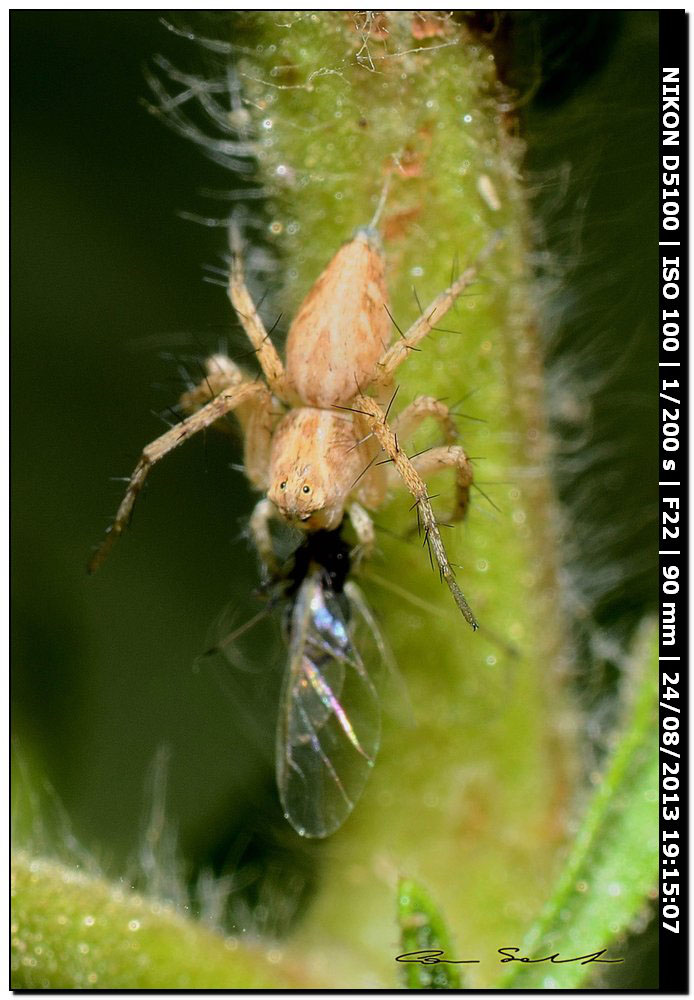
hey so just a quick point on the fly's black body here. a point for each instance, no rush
(327, 550)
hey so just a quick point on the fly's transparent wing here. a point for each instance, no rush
(329, 721)
(241, 664)
(367, 636)
(238, 634)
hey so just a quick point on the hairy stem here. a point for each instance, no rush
(471, 799)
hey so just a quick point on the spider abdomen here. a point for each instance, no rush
(342, 327)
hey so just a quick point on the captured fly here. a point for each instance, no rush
(328, 727)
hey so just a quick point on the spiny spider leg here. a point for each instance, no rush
(434, 313)
(449, 457)
(409, 419)
(268, 358)
(415, 484)
(434, 459)
(220, 373)
(257, 416)
(157, 450)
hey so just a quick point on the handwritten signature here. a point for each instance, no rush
(432, 956)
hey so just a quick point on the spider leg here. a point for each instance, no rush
(434, 459)
(268, 358)
(157, 449)
(409, 419)
(381, 477)
(259, 526)
(433, 314)
(447, 457)
(257, 416)
(417, 487)
(364, 530)
(220, 373)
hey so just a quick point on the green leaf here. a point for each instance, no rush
(422, 928)
(613, 865)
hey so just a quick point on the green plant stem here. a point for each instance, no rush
(472, 799)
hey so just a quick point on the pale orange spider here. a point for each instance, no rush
(315, 429)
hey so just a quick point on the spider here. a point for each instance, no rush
(317, 439)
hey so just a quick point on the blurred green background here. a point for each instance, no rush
(102, 266)
(106, 277)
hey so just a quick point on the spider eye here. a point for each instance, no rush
(283, 485)
(307, 489)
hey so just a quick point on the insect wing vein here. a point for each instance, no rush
(328, 698)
